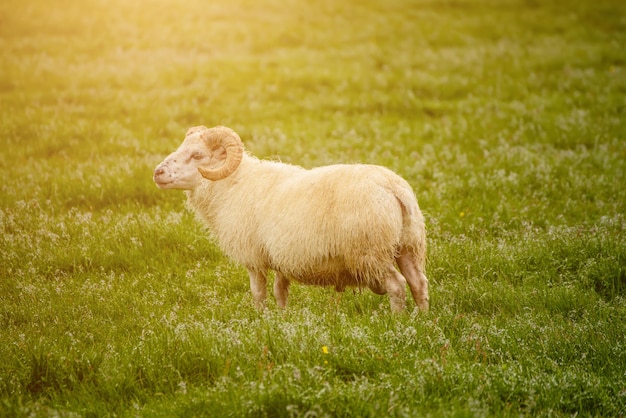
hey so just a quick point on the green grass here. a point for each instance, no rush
(507, 117)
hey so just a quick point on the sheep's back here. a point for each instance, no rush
(343, 219)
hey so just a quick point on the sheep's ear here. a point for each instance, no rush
(195, 129)
(229, 141)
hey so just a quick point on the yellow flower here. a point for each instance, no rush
(324, 349)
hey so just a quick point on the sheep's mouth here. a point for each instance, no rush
(162, 184)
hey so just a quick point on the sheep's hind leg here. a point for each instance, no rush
(378, 288)
(281, 289)
(395, 285)
(258, 286)
(414, 274)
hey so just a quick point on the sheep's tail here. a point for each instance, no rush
(413, 235)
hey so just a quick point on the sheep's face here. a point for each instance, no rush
(180, 169)
(211, 154)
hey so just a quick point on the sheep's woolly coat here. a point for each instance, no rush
(358, 218)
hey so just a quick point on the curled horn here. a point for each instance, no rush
(226, 138)
(195, 129)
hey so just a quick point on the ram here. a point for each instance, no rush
(338, 225)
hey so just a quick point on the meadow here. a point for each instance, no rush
(508, 118)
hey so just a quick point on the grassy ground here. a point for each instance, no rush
(507, 117)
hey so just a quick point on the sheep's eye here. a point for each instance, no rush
(197, 156)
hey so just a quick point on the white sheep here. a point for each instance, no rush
(338, 225)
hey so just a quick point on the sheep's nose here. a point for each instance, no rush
(158, 172)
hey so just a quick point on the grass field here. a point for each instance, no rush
(507, 117)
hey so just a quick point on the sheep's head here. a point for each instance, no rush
(212, 154)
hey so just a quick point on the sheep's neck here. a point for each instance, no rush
(201, 200)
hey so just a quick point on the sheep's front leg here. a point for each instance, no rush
(281, 289)
(258, 286)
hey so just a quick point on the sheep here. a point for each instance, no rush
(338, 225)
